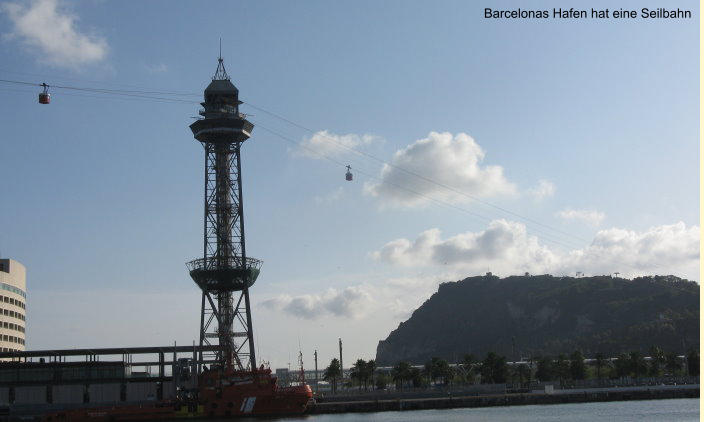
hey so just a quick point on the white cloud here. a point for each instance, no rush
(446, 159)
(351, 302)
(51, 34)
(544, 189)
(391, 299)
(324, 143)
(505, 248)
(667, 249)
(592, 217)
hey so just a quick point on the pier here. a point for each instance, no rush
(518, 399)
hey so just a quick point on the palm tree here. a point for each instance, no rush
(599, 362)
(428, 371)
(440, 369)
(414, 375)
(693, 363)
(494, 369)
(468, 363)
(522, 373)
(622, 365)
(401, 373)
(638, 365)
(359, 372)
(332, 372)
(545, 370)
(578, 370)
(562, 367)
(672, 363)
(657, 359)
(371, 369)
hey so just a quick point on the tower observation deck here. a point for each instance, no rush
(224, 273)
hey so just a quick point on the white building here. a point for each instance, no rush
(13, 304)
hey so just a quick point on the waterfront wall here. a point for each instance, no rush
(654, 393)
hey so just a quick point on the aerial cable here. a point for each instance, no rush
(437, 201)
(420, 176)
(100, 97)
(544, 236)
(147, 95)
(44, 76)
(127, 93)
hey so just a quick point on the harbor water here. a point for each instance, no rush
(675, 410)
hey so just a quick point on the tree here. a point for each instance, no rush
(545, 370)
(600, 362)
(637, 364)
(428, 371)
(657, 359)
(672, 363)
(524, 373)
(371, 369)
(414, 375)
(381, 381)
(401, 373)
(359, 372)
(494, 369)
(693, 363)
(468, 365)
(441, 369)
(622, 365)
(332, 373)
(562, 368)
(578, 370)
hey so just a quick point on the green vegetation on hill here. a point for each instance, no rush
(545, 315)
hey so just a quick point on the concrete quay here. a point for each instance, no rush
(519, 399)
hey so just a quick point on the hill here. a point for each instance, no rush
(545, 315)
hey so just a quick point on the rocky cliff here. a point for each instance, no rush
(546, 315)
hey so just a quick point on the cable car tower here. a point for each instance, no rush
(224, 273)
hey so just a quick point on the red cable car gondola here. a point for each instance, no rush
(348, 175)
(45, 97)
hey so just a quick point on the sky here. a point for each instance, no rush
(503, 145)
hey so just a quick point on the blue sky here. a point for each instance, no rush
(589, 128)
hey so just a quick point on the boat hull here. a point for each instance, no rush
(251, 394)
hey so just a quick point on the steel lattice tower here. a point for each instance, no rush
(225, 272)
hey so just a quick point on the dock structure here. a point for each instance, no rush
(106, 376)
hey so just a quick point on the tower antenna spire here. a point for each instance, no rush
(220, 72)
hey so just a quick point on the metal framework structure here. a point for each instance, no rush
(225, 273)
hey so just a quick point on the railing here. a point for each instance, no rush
(220, 263)
(220, 111)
